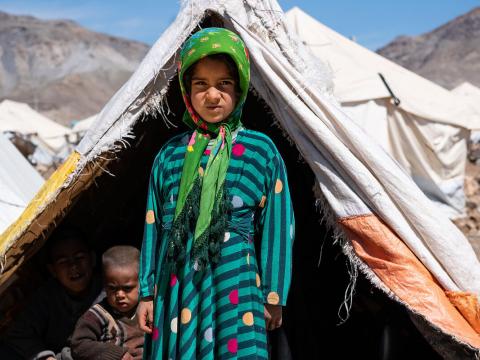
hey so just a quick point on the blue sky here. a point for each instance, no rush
(372, 22)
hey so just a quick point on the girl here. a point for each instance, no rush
(212, 191)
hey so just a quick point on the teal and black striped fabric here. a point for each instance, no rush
(218, 313)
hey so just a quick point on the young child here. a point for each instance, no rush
(212, 191)
(109, 329)
(42, 329)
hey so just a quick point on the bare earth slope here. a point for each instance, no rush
(61, 69)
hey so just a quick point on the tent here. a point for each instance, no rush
(470, 93)
(398, 245)
(426, 131)
(19, 182)
(21, 118)
(82, 126)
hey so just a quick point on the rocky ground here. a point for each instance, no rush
(470, 224)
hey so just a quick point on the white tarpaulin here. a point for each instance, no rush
(21, 118)
(83, 125)
(427, 133)
(19, 182)
(470, 93)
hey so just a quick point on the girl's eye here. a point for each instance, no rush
(226, 82)
(199, 83)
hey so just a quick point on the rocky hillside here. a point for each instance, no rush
(448, 55)
(61, 69)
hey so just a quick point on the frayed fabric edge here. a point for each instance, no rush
(355, 264)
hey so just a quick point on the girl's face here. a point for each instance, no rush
(213, 94)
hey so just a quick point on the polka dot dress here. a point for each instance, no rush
(217, 313)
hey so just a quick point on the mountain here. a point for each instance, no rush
(61, 69)
(448, 55)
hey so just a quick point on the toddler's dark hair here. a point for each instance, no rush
(225, 58)
(121, 256)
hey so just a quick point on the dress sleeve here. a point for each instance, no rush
(152, 230)
(276, 229)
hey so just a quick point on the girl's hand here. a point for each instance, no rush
(273, 316)
(127, 356)
(145, 315)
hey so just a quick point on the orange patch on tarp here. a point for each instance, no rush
(400, 270)
(468, 306)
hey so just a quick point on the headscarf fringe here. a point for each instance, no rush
(182, 225)
(207, 247)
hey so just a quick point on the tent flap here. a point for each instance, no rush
(398, 268)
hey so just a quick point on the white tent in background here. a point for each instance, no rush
(21, 118)
(83, 125)
(470, 93)
(19, 182)
(426, 133)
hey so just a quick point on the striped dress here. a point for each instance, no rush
(218, 313)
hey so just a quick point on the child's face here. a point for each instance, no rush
(212, 90)
(121, 286)
(72, 265)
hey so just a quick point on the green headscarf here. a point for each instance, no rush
(202, 203)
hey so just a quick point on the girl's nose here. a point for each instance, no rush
(212, 94)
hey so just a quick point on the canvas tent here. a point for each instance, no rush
(471, 94)
(21, 118)
(426, 133)
(386, 226)
(82, 126)
(19, 182)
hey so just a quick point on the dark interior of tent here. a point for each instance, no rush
(112, 210)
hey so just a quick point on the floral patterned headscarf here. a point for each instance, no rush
(201, 201)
